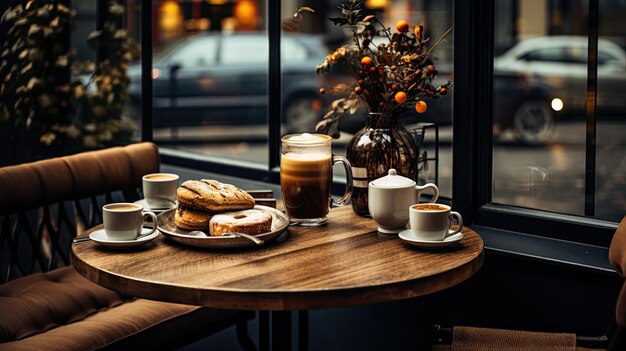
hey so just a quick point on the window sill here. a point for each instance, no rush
(557, 252)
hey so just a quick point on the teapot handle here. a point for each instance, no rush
(419, 189)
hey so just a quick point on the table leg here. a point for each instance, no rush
(264, 331)
(281, 330)
(303, 330)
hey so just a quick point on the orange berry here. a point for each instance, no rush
(420, 106)
(443, 91)
(358, 90)
(402, 26)
(366, 61)
(400, 97)
(417, 31)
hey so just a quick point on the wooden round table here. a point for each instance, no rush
(344, 263)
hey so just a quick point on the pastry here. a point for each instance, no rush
(248, 221)
(213, 196)
(191, 219)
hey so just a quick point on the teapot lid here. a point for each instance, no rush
(393, 180)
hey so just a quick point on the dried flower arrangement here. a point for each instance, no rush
(388, 76)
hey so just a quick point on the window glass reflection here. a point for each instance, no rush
(210, 86)
(540, 94)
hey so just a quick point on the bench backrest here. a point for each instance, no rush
(44, 204)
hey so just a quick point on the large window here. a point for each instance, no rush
(534, 150)
(541, 85)
(210, 80)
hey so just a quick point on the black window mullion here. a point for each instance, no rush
(473, 106)
(146, 70)
(274, 85)
(590, 109)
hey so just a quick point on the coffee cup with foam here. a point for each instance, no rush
(124, 221)
(432, 222)
(159, 190)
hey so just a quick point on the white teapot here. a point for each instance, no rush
(390, 197)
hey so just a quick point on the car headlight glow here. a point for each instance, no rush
(557, 104)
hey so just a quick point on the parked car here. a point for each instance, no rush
(542, 79)
(222, 79)
(560, 62)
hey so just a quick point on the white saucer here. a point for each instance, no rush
(101, 238)
(145, 206)
(410, 238)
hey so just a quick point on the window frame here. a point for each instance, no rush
(472, 128)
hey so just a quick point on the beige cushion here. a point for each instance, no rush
(486, 339)
(43, 301)
(64, 311)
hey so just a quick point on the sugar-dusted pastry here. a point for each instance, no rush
(247, 221)
(213, 196)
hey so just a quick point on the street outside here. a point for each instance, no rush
(551, 177)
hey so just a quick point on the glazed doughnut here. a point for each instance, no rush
(248, 221)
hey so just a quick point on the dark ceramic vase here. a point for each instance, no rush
(382, 144)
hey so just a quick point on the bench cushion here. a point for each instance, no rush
(59, 309)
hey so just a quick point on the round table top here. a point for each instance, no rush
(343, 263)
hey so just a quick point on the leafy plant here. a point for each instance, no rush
(388, 76)
(37, 93)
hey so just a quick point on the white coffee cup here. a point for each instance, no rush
(159, 190)
(432, 222)
(124, 221)
(390, 196)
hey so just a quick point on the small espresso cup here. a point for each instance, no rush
(159, 190)
(432, 222)
(124, 221)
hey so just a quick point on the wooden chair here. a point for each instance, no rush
(479, 339)
(44, 303)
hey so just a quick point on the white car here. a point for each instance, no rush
(560, 62)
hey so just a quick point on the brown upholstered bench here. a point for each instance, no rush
(45, 304)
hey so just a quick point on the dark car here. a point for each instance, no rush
(222, 79)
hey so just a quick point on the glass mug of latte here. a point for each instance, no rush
(306, 172)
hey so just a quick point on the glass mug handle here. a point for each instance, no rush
(348, 192)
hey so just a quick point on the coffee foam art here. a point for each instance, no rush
(307, 138)
(160, 177)
(122, 207)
